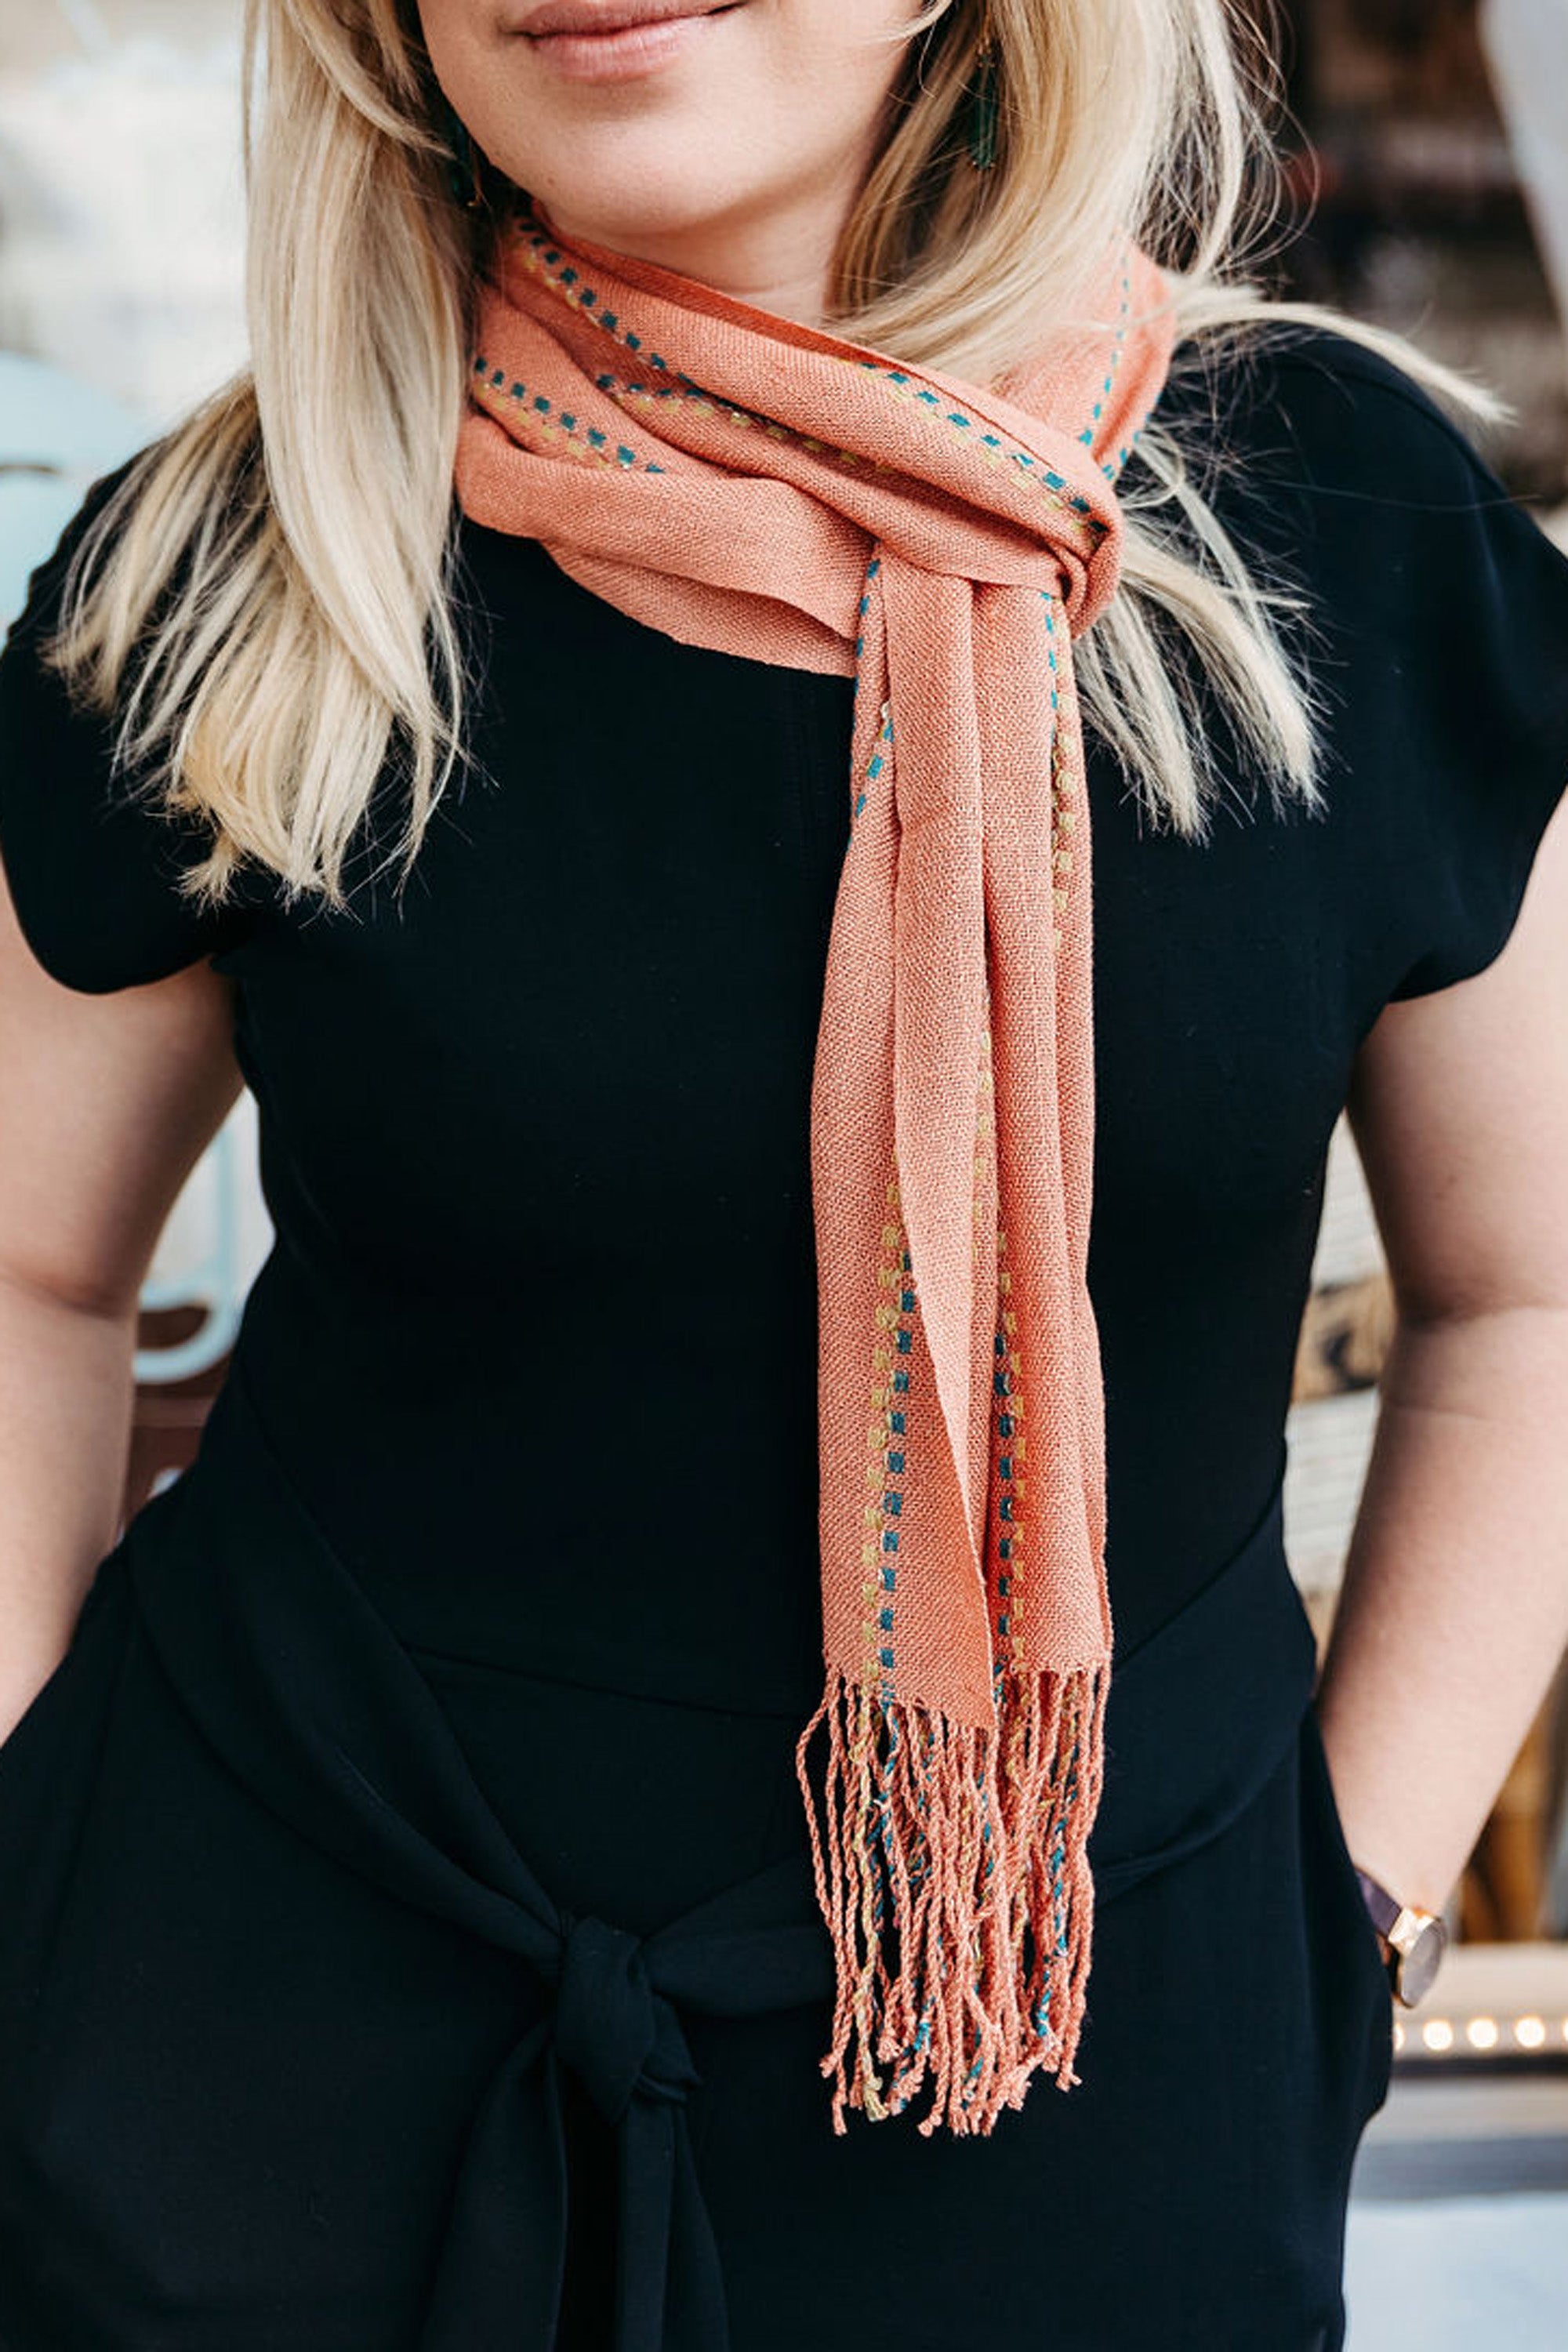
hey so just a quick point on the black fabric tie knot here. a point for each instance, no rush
(502, 2267)
(615, 2033)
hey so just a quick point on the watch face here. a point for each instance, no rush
(1421, 1961)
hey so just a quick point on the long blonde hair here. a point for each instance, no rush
(280, 564)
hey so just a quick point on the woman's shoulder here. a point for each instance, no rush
(1348, 486)
(1308, 415)
(46, 582)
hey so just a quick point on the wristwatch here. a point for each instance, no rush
(1414, 1941)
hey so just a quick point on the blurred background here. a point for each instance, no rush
(1427, 164)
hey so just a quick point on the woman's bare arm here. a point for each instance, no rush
(106, 1104)
(1455, 1607)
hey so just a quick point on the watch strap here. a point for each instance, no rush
(1383, 1907)
(1414, 1939)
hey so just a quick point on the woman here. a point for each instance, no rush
(485, 1853)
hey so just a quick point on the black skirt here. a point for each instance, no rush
(357, 1999)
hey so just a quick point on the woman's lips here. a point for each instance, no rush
(626, 50)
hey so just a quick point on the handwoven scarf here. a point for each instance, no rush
(742, 482)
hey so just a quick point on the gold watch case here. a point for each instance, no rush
(1418, 1939)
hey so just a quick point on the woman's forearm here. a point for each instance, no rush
(67, 1393)
(1454, 1611)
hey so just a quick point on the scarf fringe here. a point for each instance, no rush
(971, 1973)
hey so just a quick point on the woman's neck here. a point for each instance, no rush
(779, 259)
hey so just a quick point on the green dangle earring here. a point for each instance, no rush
(982, 101)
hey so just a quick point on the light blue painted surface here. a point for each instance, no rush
(63, 434)
(1459, 2274)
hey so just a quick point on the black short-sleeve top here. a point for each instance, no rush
(537, 1337)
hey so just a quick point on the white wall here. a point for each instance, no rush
(1527, 45)
(121, 193)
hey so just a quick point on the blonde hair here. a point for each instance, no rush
(281, 565)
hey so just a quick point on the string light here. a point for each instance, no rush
(1480, 2036)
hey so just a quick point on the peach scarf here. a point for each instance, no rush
(742, 482)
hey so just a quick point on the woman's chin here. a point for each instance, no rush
(633, 204)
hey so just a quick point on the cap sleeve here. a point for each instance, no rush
(1444, 614)
(93, 867)
(1494, 675)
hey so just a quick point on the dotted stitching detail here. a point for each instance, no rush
(885, 1442)
(547, 426)
(993, 450)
